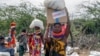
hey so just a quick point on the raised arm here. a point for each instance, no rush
(67, 32)
(46, 32)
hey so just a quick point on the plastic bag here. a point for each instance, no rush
(55, 4)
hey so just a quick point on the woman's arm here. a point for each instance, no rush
(46, 32)
(67, 27)
(67, 31)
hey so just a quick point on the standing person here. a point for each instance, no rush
(37, 36)
(56, 41)
(3, 48)
(22, 39)
(12, 38)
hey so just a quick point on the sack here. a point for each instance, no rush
(54, 4)
(37, 22)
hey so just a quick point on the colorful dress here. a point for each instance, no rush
(56, 46)
(12, 42)
(37, 39)
(12, 32)
(31, 43)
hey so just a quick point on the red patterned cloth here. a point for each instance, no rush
(31, 43)
(37, 44)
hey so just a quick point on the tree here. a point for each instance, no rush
(92, 25)
(89, 25)
(22, 14)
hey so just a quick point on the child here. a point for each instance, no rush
(22, 42)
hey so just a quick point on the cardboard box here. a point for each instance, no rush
(55, 16)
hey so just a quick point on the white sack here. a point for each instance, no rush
(4, 54)
(37, 22)
(55, 4)
(69, 50)
(95, 53)
(74, 54)
(91, 55)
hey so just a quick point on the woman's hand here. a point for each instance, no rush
(48, 26)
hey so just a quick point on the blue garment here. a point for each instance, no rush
(4, 49)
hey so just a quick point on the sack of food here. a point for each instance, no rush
(38, 23)
(54, 4)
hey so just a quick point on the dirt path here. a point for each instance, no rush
(26, 54)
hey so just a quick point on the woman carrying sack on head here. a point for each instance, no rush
(57, 39)
(37, 37)
(12, 32)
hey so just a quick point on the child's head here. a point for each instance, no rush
(57, 27)
(2, 39)
(23, 31)
(13, 30)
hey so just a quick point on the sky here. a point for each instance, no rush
(72, 5)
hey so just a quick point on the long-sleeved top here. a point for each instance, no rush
(4, 49)
(22, 39)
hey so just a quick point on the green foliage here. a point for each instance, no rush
(90, 19)
(22, 14)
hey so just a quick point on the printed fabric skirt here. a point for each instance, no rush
(37, 50)
(30, 50)
(55, 47)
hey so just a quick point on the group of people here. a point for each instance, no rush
(34, 41)
(8, 44)
(54, 40)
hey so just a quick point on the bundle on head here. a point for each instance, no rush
(38, 23)
(55, 4)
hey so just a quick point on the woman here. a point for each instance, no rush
(37, 38)
(57, 40)
(12, 32)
